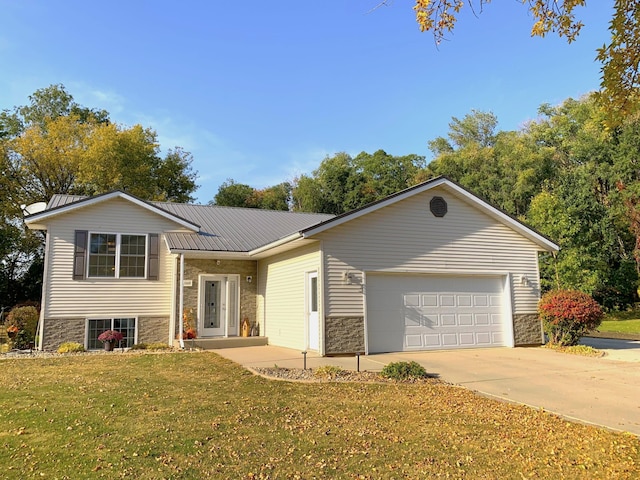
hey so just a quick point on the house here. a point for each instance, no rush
(430, 267)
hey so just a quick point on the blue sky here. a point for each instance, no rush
(262, 91)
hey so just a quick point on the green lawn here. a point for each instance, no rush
(621, 322)
(197, 415)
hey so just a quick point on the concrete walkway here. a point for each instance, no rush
(601, 391)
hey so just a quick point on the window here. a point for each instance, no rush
(114, 255)
(126, 326)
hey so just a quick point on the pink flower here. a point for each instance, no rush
(110, 336)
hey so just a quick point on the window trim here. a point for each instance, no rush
(110, 318)
(117, 255)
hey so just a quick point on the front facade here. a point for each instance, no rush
(428, 268)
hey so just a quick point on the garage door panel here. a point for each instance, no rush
(464, 300)
(412, 312)
(448, 320)
(483, 338)
(430, 300)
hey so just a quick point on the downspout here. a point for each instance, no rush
(174, 299)
(181, 310)
(45, 282)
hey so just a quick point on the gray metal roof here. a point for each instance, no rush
(59, 200)
(224, 229)
(231, 229)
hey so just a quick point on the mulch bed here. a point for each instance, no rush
(310, 375)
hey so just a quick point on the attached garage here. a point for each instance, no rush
(432, 312)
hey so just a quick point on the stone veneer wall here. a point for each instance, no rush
(153, 329)
(343, 335)
(60, 330)
(248, 291)
(527, 329)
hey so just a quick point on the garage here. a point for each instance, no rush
(435, 312)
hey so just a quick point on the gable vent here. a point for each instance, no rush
(438, 206)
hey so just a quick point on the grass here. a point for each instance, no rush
(621, 322)
(183, 416)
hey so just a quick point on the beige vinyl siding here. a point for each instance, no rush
(66, 298)
(281, 295)
(406, 238)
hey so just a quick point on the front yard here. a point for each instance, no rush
(197, 415)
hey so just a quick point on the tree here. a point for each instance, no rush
(277, 197)
(505, 168)
(53, 145)
(620, 62)
(342, 183)
(233, 194)
(174, 176)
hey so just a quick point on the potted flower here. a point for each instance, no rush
(109, 338)
(12, 331)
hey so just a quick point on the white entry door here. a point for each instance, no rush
(313, 326)
(218, 300)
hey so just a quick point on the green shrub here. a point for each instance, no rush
(568, 315)
(25, 319)
(71, 347)
(328, 371)
(404, 370)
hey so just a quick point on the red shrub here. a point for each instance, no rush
(567, 315)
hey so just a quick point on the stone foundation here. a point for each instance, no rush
(343, 335)
(60, 330)
(527, 329)
(153, 329)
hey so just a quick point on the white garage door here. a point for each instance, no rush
(420, 312)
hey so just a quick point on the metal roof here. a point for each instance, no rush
(223, 229)
(60, 200)
(231, 229)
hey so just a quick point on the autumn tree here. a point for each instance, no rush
(234, 194)
(620, 62)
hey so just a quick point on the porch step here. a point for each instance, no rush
(222, 342)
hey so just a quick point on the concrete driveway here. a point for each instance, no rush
(601, 391)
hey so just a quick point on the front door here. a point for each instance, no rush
(218, 305)
(214, 308)
(313, 327)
